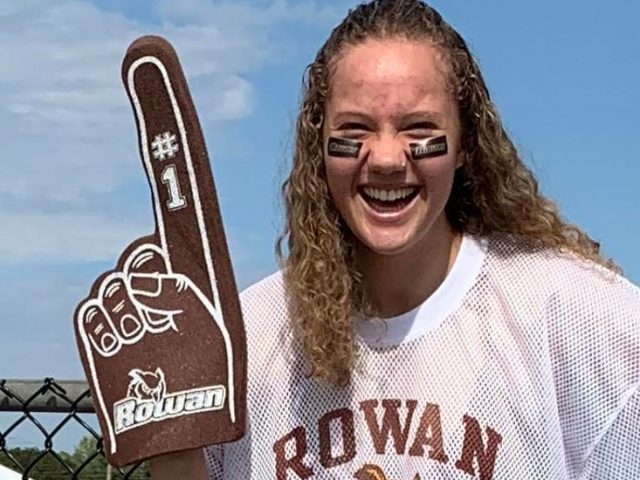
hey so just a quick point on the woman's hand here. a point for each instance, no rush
(186, 464)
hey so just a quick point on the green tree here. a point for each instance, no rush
(47, 466)
(97, 468)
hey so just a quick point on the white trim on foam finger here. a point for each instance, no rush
(217, 317)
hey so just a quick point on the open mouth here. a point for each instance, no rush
(385, 200)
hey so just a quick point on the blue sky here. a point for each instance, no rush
(564, 75)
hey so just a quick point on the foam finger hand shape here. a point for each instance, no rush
(161, 336)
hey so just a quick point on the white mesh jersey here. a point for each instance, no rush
(522, 365)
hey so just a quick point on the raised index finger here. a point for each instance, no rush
(177, 166)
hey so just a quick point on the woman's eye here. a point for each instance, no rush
(420, 130)
(351, 130)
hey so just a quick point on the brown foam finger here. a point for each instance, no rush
(201, 324)
(133, 326)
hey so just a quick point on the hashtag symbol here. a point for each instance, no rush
(164, 146)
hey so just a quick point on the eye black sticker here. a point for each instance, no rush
(341, 147)
(430, 147)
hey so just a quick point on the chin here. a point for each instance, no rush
(386, 246)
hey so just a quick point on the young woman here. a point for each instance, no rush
(435, 317)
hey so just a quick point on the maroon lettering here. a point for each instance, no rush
(473, 447)
(390, 423)
(344, 418)
(295, 463)
(429, 433)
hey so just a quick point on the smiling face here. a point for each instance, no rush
(388, 94)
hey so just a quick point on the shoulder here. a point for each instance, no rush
(268, 292)
(587, 310)
(265, 302)
(265, 309)
(591, 317)
(557, 275)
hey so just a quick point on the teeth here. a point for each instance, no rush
(388, 195)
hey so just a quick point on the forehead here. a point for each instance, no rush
(390, 71)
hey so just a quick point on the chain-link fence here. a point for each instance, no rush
(26, 403)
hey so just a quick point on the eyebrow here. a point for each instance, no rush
(411, 117)
(424, 115)
(351, 115)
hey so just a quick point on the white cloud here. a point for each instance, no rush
(66, 126)
(37, 237)
(234, 100)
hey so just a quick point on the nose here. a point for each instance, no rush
(387, 155)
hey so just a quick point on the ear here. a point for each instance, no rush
(160, 373)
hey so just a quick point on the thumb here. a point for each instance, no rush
(159, 291)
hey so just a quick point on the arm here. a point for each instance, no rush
(594, 338)
(185, 464)
(617, 454)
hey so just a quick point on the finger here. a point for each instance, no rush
(123, 313)
(176, 163)
(96, 329)
(154, 302)
(155, 292)
(147, 258)
(96, 334)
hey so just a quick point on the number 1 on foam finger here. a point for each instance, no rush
(170, 179)
(165, 146)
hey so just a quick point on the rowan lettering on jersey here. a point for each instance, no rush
(475, 456)
(429, 147)
(343, 147)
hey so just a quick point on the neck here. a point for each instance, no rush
(398, 283)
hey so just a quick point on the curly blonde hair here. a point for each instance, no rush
(492, 192)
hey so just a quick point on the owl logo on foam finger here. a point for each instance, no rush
(147, 385)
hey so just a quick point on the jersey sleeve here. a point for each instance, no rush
(261, 303)
(617, 454)
(594, 338)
